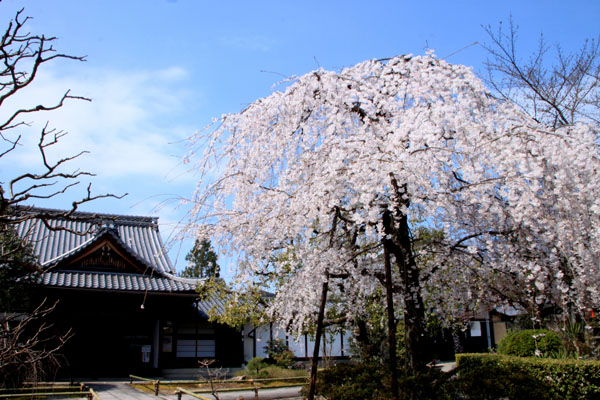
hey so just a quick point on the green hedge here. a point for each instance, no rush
(491, 376)
(351, 382)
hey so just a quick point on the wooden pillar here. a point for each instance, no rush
(315, 360)
(389, 295)
(156, 344)
(254, 343)
(306, 345)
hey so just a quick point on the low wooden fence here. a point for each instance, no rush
(154, 382)
(241, 384)
(181, 392)
(44, 390)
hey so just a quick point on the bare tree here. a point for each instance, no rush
(21, 55)
(29, 349)
(213, 376)
(557, 92)
(27, 343)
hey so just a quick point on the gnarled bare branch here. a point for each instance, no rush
(562, 93)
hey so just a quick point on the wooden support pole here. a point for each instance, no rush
(389, 295)
(315, 361)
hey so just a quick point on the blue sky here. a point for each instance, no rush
(158, 70)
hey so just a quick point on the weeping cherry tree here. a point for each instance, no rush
(331, 179)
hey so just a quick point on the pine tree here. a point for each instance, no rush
(202, 261)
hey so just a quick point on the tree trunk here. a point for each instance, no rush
(398, 242)
(362, 339)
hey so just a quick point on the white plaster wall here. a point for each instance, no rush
(336, 343)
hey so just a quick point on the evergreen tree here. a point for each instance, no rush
(202, 261)
(19, 272)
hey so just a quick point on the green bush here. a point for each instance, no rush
(370, 381)
(279, 354)
(430, 384)
(285, 359)
(255, 366)
(275, 347)
(478, 376)
(273, 371)
(525, 343)
(258, 368)
(351, 382)
(482, 377)
(493, 376)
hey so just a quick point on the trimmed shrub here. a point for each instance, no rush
(478, 376)
(493, 376)
(371, 381)
(255, 366)
(351, 382)
(525, 343)
(279, 354)
(430, 384)
(285, 359)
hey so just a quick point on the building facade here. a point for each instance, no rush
(117, 294)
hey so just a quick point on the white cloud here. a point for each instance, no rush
(130, 128)
(134, 130)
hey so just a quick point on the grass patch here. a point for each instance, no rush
(272, 372)
(270, 377)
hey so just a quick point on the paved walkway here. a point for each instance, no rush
(123, 391)
(289, 393)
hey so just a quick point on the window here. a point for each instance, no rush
(204, 348)
(475, 329)
(195, 342)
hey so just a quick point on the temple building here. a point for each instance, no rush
(117, 292)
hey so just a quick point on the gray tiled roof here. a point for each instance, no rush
(62, 237)
(55, 238)
(115, 281)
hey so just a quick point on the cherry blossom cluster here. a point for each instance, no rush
(296, 185)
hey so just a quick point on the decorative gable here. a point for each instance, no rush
(104, 255)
